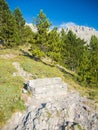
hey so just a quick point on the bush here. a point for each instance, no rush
(38, 53)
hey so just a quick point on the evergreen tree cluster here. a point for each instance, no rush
(12, 26)
(63, 48)
(67, 50)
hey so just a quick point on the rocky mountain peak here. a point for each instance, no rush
(82, 32)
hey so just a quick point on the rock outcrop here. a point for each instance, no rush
(47, 88)
(51, 107)
(20, 72)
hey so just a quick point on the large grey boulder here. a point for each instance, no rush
(49, 87)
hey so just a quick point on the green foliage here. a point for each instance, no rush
(42, 23)
(88, 66)
(67, 50)
(54, 45)
(37, 53)
(72, 50)
(40, 42)
(94, 60)
(93, 94)
(4, 15)
(28, 35)
(11, 26)
(8, 29)
(84, 67)
(20, 23)
(19, 18)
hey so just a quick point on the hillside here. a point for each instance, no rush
(12, 81)
(48, 80)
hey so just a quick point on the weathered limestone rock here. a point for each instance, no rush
(51, 107)
(47, 87)
(20, 72)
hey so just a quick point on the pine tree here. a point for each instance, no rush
(42, 23)
(64, 52)
(8, 28)
(40, 43)
(84, 68)
(88, 66)
(28, 35)
(94, 60)
(20, 23)
(72, 49)
(54, 45)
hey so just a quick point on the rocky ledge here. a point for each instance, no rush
(51, 107)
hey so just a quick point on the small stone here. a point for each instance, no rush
(24, 90)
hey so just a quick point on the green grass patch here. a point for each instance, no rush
(79, 127)
(39, 69)
(93, 94)
(10, 91)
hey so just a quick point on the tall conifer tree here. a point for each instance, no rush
(8, 29)
(20, 23)
(39, 47)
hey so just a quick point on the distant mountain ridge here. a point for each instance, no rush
(82, 32)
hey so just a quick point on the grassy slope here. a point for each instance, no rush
(10, 91)
(10, 87)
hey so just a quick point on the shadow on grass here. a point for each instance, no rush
(27, 54)
(65, 72)
(51, 65)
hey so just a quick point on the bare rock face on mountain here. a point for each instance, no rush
(34, 28)
(51, 107)
(82, 32)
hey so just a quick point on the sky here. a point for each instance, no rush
(60, 12)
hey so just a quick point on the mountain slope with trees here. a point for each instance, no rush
(63, 48)
(76, 59)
